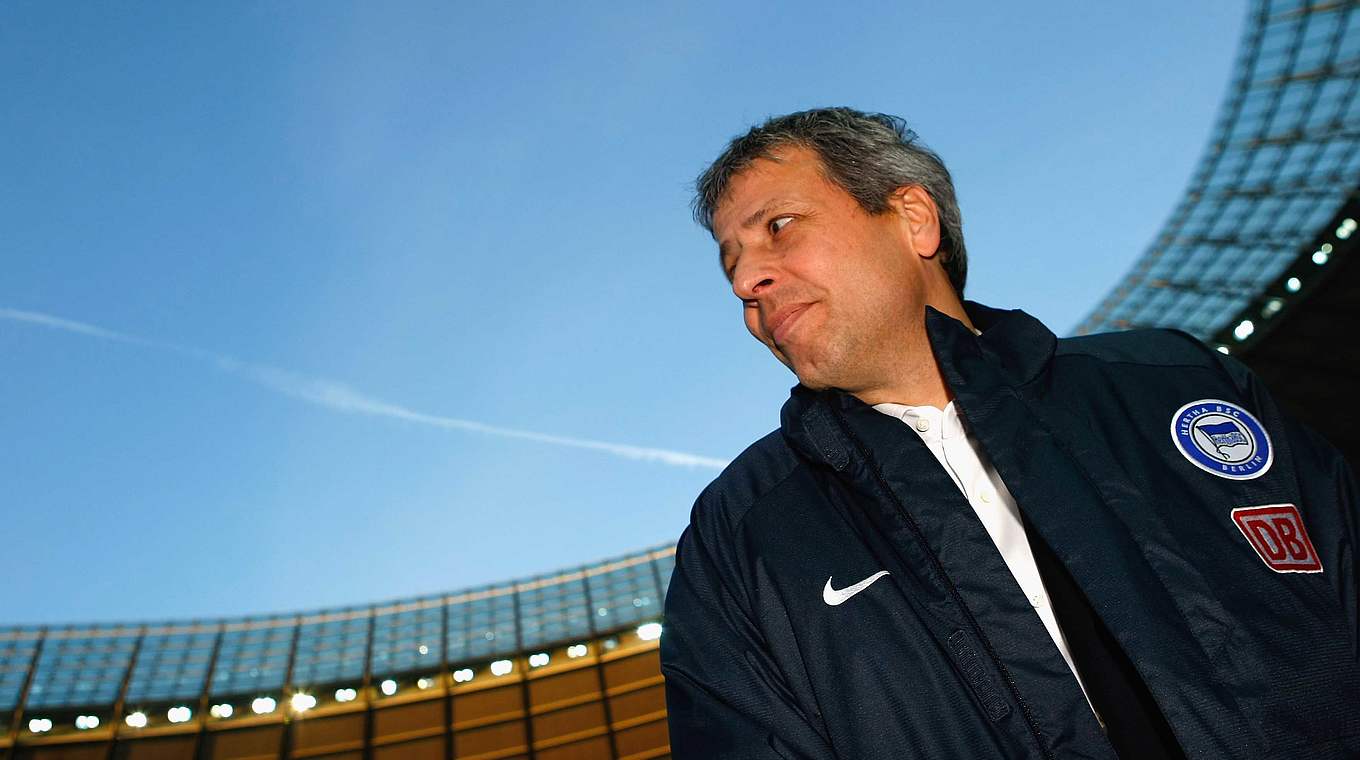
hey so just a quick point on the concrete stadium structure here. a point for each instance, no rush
(555, 667)
(1257, 259)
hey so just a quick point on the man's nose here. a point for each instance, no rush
(754, 275)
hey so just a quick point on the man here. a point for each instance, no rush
(1101, 547)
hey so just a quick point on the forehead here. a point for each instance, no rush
(791, 172)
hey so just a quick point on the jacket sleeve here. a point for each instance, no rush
(1332, 500)
(1328, 492)
(725, 695)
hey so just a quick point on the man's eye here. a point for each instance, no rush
(777, 223)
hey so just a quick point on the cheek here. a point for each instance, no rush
(752, 319)
(877, 286)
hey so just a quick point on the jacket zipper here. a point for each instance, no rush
(948, 582)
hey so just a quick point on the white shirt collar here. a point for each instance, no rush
(932, 423)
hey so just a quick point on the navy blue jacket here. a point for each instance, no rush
(944, 657)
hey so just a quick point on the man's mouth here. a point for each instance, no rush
(782, 321)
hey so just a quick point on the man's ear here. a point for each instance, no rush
(921, 218)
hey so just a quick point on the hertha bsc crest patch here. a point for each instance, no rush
(1277, 534)
(1222, 438)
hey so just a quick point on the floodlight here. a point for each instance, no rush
(40, 725)
(87, 722)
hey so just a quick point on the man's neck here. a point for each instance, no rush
(923, 385)
(915, 378)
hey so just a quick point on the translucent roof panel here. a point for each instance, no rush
(171, 662)
(82, 667)
(407, 639)
(16, 659)
(490, 625)
(172, 665)
(554, 611)
(624, 594)
(332, 649)
(253, 660)
(1283, 157)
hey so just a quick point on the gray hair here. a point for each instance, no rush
(869, 155)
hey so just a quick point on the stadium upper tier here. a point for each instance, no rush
(1264, 218)
(124, 682)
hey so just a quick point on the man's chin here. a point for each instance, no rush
(783, 358)
(807, 374)
(812, 380)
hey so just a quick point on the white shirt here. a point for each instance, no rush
(958, 451)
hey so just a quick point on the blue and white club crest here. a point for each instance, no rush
(1222, 438)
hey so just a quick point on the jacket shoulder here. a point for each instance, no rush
(708, 555)
(1151, 347)
(741, 485)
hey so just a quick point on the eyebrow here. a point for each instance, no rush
(766, 209)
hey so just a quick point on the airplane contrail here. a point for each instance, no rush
(339, 397)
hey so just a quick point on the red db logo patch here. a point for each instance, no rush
(1276, 533)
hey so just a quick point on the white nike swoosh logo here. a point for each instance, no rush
(834, 597)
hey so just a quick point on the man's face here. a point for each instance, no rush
(834, 292)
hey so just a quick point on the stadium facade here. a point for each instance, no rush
(555, 667)
(1257, 259)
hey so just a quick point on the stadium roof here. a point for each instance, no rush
(1258, 227)
(1258, 256)
(61, 668)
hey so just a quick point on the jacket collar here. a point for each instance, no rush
(1012, 349)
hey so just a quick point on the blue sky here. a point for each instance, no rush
(262, 265)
